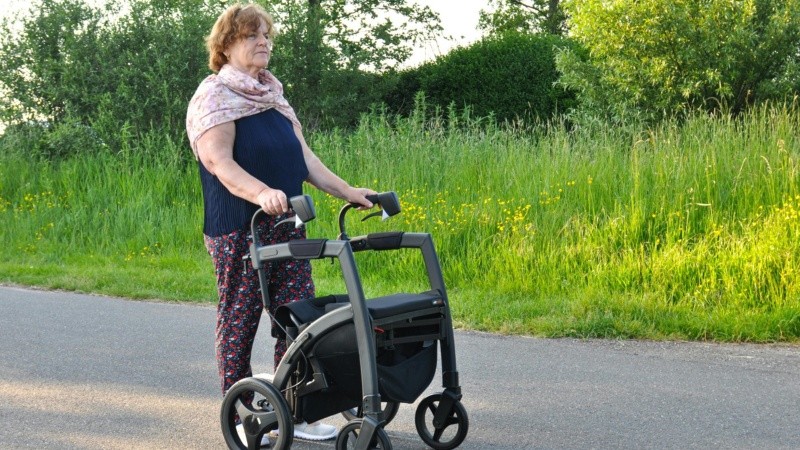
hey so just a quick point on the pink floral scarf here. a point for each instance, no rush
(230, 95)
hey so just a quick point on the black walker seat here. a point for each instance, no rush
(406, 326)
(389, 309)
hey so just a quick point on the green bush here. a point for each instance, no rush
(344, 95)
(510, 76)
(50, 141)
(28, 138)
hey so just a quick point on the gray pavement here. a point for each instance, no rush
(91, 372)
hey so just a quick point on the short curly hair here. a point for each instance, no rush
(233, 24)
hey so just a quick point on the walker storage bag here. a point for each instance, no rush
(407, 327)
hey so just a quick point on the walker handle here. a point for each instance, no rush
(388, 202)
(303, 207)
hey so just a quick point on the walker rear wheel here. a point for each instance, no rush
(261, 409)
(348, 436)
(447, 435)
(387, 414)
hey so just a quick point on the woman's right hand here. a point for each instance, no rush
(273, 201)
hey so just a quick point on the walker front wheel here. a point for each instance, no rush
(253, 409)
(448, 434)
(348, 436)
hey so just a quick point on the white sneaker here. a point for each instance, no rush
(316, 431)
(243, 437)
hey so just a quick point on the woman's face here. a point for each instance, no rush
(251, 53)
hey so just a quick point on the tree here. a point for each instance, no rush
(330, 51)
(129, 68)
(658, 58)
(34, 62)
(529, 16)
(105, 69)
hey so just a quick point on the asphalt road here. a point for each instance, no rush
(90, 372)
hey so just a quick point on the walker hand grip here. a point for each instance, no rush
(303, 206)
(388, 201)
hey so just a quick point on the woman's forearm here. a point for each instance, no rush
(238, 181)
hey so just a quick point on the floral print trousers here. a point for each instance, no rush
(240, 302)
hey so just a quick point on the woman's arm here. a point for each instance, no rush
(325, 180)
(215, 150)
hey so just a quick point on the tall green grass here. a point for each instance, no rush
(126, 224)
(683, 231)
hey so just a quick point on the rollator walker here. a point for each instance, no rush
(351, 355)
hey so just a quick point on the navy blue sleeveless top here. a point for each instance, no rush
(266, 147)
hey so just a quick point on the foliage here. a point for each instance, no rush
(510, 76)
(130, 68)
(688, 230)
(37, 63)
(99, 68)
(329, 52)
(654, 59)
(532, 16)
(371, 35)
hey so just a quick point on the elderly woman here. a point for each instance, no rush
(252, 154)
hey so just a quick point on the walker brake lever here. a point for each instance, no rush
(370, 215)
(296, 219)
(384, 215)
